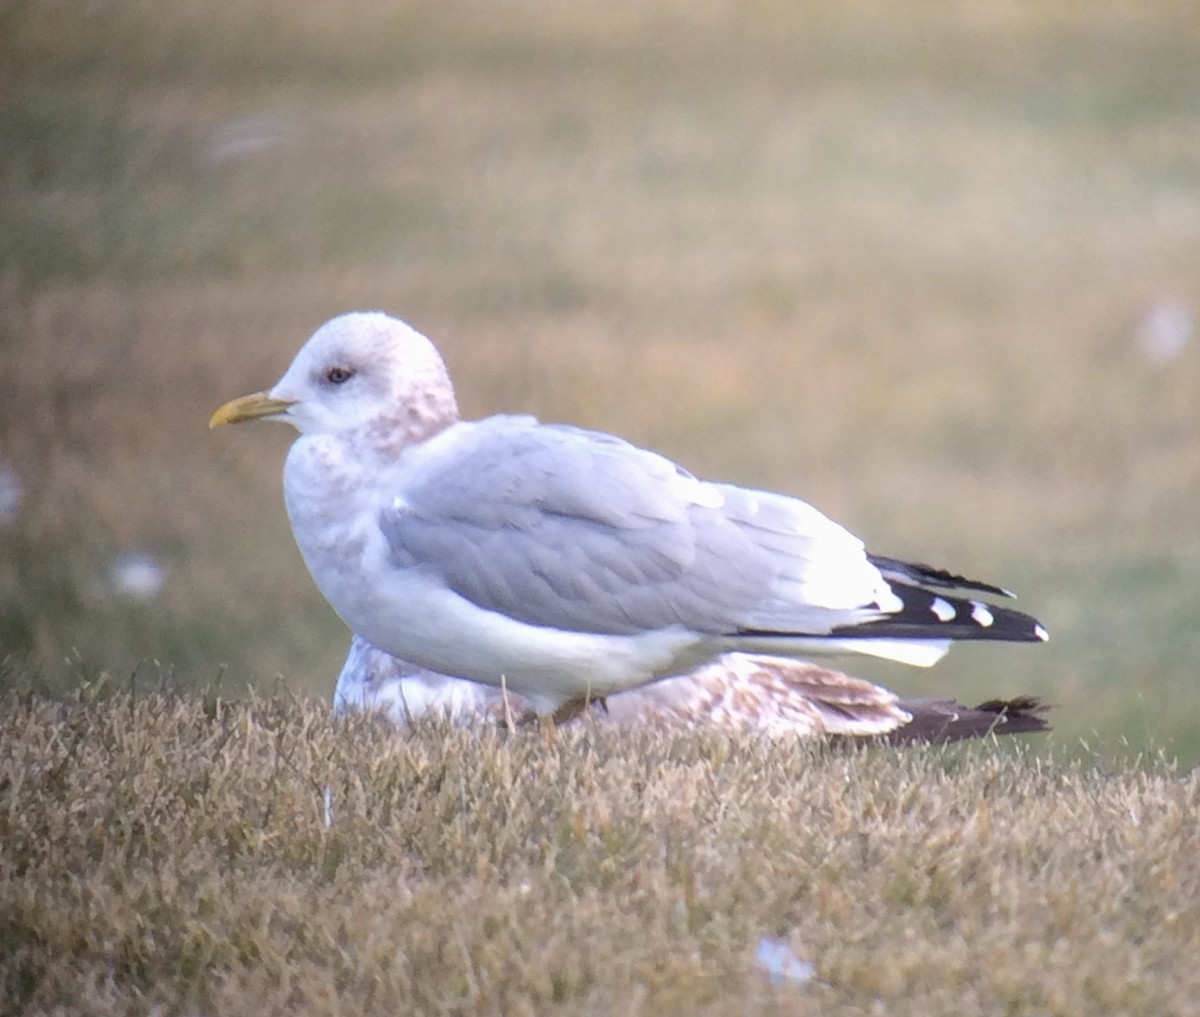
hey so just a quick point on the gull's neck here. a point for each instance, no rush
(415, 419)
(334, 485)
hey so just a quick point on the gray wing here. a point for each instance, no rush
(577, 530)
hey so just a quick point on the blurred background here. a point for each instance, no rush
(933, 267)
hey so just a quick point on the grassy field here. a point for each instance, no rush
(916, 263)
(166, 855)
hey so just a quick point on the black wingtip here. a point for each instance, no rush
(924, 614)
(943, 721)
(928, 575)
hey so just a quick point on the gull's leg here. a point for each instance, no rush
(573, 708)
(508, 717)
(547, 728)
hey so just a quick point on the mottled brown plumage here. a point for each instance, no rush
(739, 693)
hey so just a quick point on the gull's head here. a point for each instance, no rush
(360, 374)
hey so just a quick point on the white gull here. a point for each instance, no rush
(566, 564)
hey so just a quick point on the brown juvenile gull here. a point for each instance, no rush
(567, 564)
(737, 694)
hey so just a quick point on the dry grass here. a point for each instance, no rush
(889, 258)
(167, 855)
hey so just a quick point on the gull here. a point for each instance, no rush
(738, 694)
(566, 564)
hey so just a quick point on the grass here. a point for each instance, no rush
(171, 855)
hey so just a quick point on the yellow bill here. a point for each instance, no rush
(251, 407)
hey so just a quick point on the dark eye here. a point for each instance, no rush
(338, 375)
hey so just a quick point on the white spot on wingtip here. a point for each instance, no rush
(943, 610)
(1041, 633)
(981, 615)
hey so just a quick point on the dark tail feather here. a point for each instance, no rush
(944, 720)
(927, 575)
